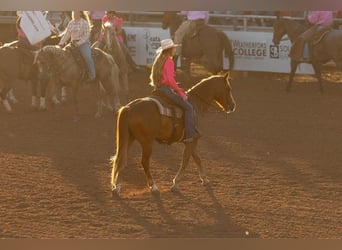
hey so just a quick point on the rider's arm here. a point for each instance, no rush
(169, 78)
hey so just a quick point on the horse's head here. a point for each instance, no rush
(165, 20)
(43, 60)
(109, 34)
(223, 94)
(279, 30)
(215, 88)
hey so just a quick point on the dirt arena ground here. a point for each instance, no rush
(275, 167)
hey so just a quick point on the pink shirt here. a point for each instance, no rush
(195, 15)
(321, 17)
(169, 77)
(117, 22)
(21, 33)
(96, 14)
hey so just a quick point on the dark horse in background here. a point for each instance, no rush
(150, 119)
(206, 45)
(113, 47)
(65, 68)
(326, 47)
(15, 64)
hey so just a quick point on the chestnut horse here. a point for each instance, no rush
(328, 47)
(144, 121)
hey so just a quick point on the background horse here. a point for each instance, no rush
(328, 48)
(206, 46)
(38, 87)
(60, 66)
(142, 120)
(15, 63)
(113, 47)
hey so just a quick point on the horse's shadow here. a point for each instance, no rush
(223, 227)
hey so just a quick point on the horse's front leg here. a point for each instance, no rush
(34, 95)
(145, 161)
(294, 65)
(75, 102)
(187, 152)
(4, 100)
(201, 171)
(42, 100)
(12, 97)
(101, 100)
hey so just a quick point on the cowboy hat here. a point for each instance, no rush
(166, 44)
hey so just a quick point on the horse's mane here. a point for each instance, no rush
(198, 94)
(297, 26)
(56, 51)
(201, 83)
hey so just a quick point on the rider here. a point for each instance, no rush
(95, 17)
(117, 22)
(163, 79)
(23, 41)
(193, 18)
(317, 19)
(78, 31)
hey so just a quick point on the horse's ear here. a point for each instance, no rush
(226, 76)
(278, 15)
(35, 56)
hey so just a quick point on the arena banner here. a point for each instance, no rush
(143, 43)
(35, 26)
(254, 51)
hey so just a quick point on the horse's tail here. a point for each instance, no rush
(119, 160)
(228, 50)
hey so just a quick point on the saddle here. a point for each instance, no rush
(319, 34)
(76, 53)
(169, 109)
(316, 38)
(199, 24)
(27, 55)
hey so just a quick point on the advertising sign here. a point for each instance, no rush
(35, 26)
(253, 51)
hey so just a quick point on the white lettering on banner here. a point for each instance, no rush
(254, 51)
(35, 26)
(143, 43)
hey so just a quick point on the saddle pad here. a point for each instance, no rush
(178, 112)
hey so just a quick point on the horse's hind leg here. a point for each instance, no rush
(318, 75)
(145, 161)
(119, 162)
(187, 152)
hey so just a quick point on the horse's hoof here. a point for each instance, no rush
(116, 192)
(154, 190)
(175, 189)
(76, 119)
(206, 183)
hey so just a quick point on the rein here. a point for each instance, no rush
(206, 102)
